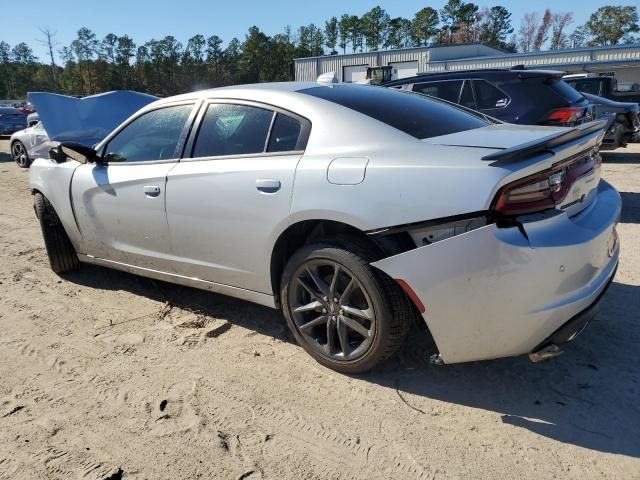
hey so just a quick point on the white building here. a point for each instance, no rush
(621, 60)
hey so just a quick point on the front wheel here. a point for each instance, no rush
(62, 255)
(346, 314)
(19, 154)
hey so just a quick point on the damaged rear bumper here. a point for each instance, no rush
(495, 292)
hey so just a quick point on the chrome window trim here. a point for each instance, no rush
(243, 156)
(305, 130)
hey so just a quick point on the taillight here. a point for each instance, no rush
(546, 189)
(565, 116)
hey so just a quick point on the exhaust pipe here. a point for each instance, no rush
(550, 351)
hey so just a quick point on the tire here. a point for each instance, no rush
(20, 155)
(352, 352)
(62, 255)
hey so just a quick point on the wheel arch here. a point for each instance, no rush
(304, 232)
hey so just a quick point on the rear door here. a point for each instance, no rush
(119, 203)
(229, 201)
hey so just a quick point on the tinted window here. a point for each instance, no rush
(152, 136)
(232, 130)
(449, 90)
(416, 115)
(284, 135)
(466, 97)
(489, 96)
(566, 91)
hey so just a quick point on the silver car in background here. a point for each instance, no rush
(354, 209)
(30, 143)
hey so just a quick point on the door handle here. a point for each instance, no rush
(151, 190)
(268, 185)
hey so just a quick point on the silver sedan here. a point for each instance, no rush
(354, 209)
(29, 143)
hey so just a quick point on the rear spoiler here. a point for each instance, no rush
(547, 143)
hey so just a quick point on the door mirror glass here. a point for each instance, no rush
(79, 153)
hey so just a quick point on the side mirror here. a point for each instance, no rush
(56, 155)
(79, 153)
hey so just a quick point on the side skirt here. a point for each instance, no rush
(248, 295)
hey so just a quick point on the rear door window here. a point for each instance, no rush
(229, 129)
(488, 96)
(285, 134)
(448, 90)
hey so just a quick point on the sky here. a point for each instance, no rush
(146, 19)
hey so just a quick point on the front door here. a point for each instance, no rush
(119, 202)
(229, 201)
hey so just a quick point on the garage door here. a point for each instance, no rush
(355, 73)
(403, 69)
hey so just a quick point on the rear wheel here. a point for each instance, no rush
(19, 154)
(62, 255)
(343, 312)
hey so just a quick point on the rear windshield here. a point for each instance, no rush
(566, 91)
(417, 115)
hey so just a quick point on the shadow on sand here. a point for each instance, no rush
(621, 156)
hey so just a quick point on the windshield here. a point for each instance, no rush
(417, 115)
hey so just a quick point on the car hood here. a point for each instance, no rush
(503, 135)
(86, 120)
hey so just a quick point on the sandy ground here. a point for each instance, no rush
(108, 375)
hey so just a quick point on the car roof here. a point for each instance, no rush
(487, 73)
(248, 90)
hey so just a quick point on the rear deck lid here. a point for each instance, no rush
(504, 135)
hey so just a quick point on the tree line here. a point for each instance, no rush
(164, 67)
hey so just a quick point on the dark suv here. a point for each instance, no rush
(531, 97)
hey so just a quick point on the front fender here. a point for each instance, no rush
(53, 180)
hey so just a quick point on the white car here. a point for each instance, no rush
(353, 209)
(30, 143)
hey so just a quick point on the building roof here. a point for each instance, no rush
(543, 53)
(426, 47)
